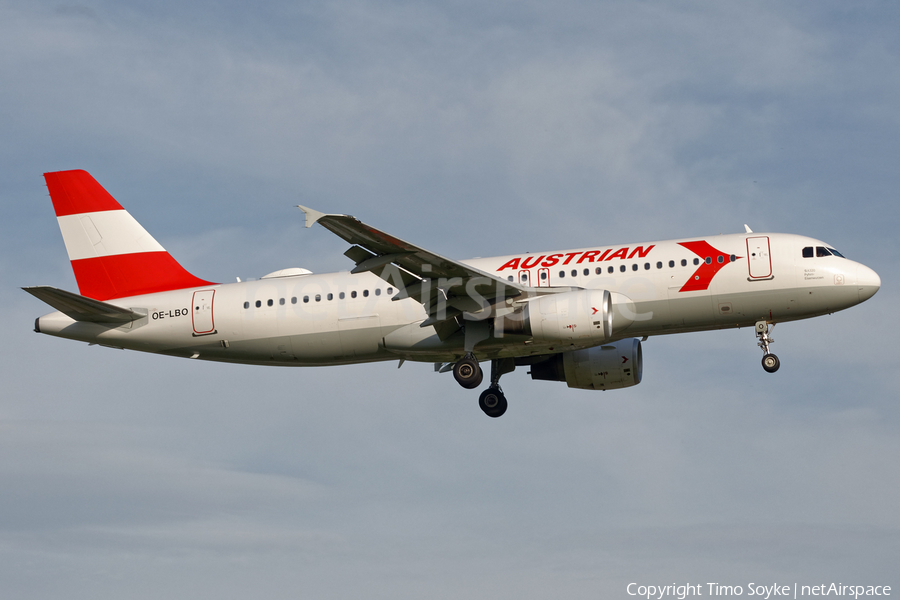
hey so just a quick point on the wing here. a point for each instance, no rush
(446, 288)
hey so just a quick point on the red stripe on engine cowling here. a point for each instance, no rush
(124, 275)
(76, 192)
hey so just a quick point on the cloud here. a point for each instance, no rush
(471, 129)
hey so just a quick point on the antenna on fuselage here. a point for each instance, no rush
(747, 228)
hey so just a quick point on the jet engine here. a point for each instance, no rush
(580, 318)
(606, 367)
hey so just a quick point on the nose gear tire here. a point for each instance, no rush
(770, 363)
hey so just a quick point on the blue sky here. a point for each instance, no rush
(473, 130)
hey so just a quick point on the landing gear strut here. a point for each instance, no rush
(770, 362)
(492, 401)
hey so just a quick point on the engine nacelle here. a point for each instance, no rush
(581, 318)
(607, 367)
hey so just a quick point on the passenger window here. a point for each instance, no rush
(510, 277)
(612, 269)
(294, 300)
(543, 275)
(353, 294)
(365, 293)
(587, 271)
(707, 260)
(524, 277)
(258, 304)
(671, 264)
(246, 305)
(281, 301)
(318, 297)
(634, 267)
(732, 258)
(330, 296)
(562, 274)
(696, 261)
(598, 270)
(647, 266)
(574, 273)
(822, 252)
(305, 299)
(622, 268)
(341, 295)
(683, 262)
(721, 259)
(659, 265)
(269, 303)
(378, 292)
(390, 291)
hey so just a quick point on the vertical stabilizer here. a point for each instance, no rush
(112, 255)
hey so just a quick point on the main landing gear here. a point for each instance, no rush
(467, 372)
(469, 375)
(492, 401)
(770, 362)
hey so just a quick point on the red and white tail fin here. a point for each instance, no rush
(111, 254)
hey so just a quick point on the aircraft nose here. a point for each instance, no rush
(868, 282)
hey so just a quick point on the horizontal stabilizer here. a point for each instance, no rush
(81, 308)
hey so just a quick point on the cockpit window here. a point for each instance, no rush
(820, 251)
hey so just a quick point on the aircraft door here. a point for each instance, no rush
(544, 277)
(202, 312)
(758, 257)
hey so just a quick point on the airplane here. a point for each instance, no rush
(576, 316)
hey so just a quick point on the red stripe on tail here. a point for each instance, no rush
(132, 275)
(75, 192)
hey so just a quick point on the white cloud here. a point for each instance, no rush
(472, 129)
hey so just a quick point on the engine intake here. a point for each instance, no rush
(606, 367)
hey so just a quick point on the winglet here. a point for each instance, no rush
(746, 228)
(311, 215)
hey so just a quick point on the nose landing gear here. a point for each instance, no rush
(770, 362)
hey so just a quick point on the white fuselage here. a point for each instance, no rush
(341, 318)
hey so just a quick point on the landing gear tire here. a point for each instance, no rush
(492, 402)
(770, 363)
(468, 373)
